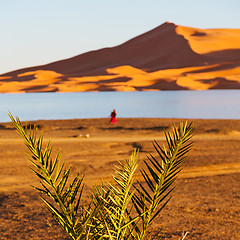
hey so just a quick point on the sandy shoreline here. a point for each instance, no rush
(205, 203)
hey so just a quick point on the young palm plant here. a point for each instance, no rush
(122, 209)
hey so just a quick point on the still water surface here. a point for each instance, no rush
(211, 104)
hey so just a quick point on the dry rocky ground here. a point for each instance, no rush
(205, 203)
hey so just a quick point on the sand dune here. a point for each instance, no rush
(169, 57)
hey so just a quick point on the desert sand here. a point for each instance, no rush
(205, 202)
(169, 57)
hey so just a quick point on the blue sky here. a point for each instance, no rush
(35, 32)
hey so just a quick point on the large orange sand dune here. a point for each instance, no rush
(169, 57)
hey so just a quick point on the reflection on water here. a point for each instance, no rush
(210, 104)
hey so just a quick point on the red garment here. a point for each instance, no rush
(113, 120)
(113, 116)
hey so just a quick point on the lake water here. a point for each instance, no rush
(210, 104)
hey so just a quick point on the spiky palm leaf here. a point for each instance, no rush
(160, 174)
(117, 211)
(54, 178)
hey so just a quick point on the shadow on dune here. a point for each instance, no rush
(227, 55)
(221, 66)
(163, 85)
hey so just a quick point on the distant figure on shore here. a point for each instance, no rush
(113, 119)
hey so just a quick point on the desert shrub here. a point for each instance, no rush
(122, 209)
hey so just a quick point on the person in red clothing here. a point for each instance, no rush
(113, 119)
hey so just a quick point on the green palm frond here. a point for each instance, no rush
(160, 174)
(54, 178)
(116, 213)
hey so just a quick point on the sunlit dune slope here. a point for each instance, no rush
(204, 41)
(169, 57)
